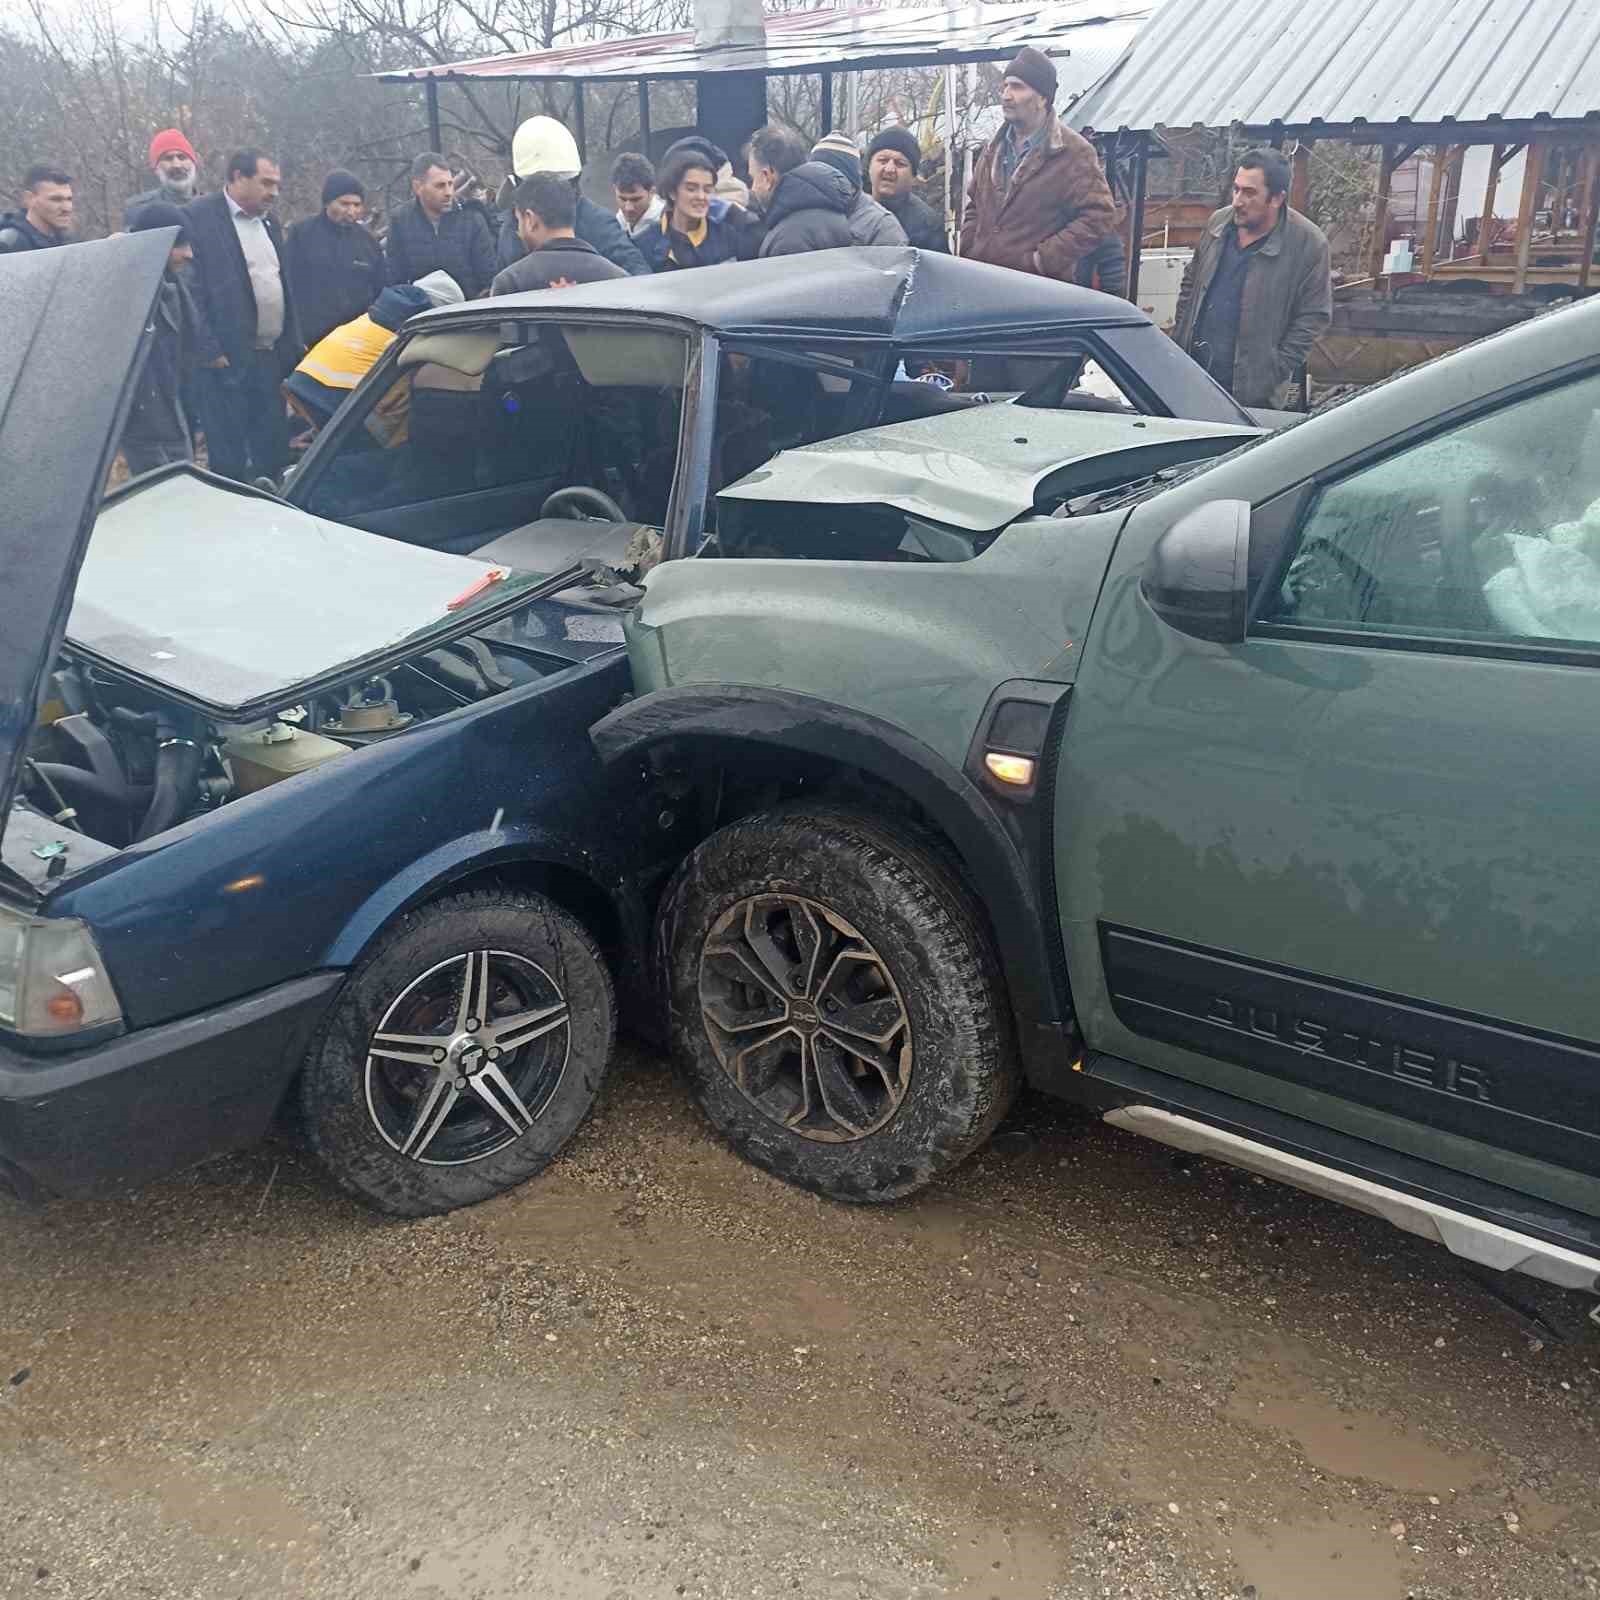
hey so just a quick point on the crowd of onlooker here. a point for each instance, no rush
(256, 326)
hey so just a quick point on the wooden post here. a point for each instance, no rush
(1380, 213)
(644, 116)
(1532, 167)
(1430, 236)
(1452, 203)
(825, 113)
(1486, 221)
(1587, 214)
(1141, 170)
(1300, 177)
(577, 120)
(435, 135)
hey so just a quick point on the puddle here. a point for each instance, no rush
(1322, 1560)
(997, 1563)
(253, 1514)
(511, 1564)
(1355, 1444)
(668, 1255)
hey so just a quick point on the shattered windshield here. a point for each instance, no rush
(233, 598)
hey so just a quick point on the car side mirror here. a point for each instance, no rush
(1197, 580)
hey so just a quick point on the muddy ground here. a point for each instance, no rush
(1078, 1368)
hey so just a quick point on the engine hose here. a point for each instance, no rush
(177, 774)
(143, 723)
(76, 783)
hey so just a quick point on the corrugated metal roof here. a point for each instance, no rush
(1301, 64)
(818, 41)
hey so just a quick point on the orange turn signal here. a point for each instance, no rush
(64, 1007)
(1015, 770)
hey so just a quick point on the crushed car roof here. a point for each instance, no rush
(896, 293)
(982, 468)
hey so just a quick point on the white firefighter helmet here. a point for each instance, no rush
(541, 144)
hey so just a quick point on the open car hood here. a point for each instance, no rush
(73, 323)
(234, 604)
(981, 468)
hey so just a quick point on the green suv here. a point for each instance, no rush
(1247, 794)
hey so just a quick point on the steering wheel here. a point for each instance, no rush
(578, 500)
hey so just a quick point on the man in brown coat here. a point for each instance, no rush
(1259, 289)
(1039, 201)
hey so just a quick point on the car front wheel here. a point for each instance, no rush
(462, 1054)
(836, 1004)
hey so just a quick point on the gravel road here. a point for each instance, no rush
(1077, 1368)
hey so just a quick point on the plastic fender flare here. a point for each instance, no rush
(423, 878)
(783, 720)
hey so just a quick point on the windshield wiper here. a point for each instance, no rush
(1133, 489)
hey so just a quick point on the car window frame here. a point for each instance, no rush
(1288, 512)
(1080, 340)
(351, 415)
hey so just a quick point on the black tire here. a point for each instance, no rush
(889, 913)
(460, 1118)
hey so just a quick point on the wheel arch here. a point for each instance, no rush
(521, 858)
(709, 726)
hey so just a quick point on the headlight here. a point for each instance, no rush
(52, 980)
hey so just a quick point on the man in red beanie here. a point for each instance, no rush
(1038, 201)
(175, 165)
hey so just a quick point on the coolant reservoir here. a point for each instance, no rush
(272, 754)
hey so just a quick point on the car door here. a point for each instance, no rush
(1349, 867)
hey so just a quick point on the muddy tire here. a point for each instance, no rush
(462, 1054)
(836, 1005)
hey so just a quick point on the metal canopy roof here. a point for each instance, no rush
(1320, 65)
(815, 41)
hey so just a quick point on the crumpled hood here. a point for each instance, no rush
(979, 469)
(812, 186)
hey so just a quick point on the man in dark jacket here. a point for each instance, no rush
(247, 306)
(336, 268)
(870, 223)
(805, 204)
(892, 162)
(175, 165)
(546, 208)
(46, 213)
(543, 145)
(1039, 201)
(157, 430)
(695, 227)
(432, 234)
(1258, 291)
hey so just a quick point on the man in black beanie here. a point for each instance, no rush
(869, 222)
(892, 162)
(335, 266)
(157, 431)
(1039, 201)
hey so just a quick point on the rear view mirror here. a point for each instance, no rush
(1197, 580)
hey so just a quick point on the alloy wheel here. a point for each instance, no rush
(805, 1017)
(466, 1058)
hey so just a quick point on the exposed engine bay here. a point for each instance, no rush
(221, 642)
(119, 762)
